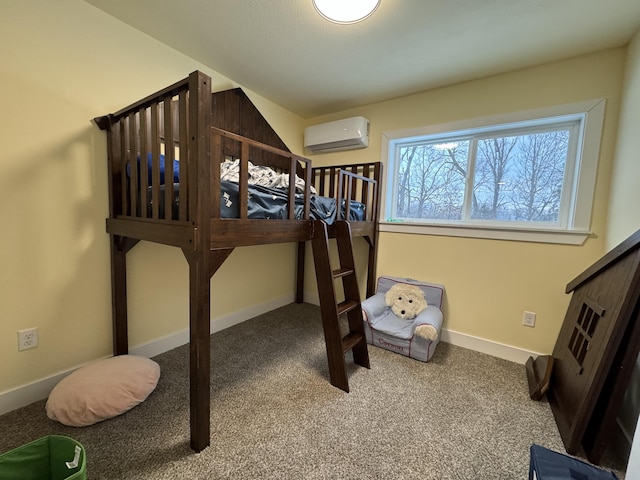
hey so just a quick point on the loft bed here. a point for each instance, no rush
(220, 151)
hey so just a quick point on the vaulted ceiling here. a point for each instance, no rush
(284, 51)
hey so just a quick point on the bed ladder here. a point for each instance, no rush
(330, 309)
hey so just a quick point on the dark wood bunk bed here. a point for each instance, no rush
(197, 133)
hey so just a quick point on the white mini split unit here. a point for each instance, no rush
(346, 134)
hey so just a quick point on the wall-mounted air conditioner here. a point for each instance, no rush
(346, 134)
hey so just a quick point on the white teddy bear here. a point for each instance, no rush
(406, 302)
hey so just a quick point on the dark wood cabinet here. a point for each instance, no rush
(596, 350)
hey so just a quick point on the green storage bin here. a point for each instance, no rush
(54, 457)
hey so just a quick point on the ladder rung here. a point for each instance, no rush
(342, 272)
(346, 306)
(350, 341)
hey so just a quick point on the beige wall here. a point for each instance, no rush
(64, 63)
(623, 218)
(490, 283)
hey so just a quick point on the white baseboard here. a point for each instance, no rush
(495, 349)
(164, 344)
(26, 394)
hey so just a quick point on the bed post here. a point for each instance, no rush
(372, 264)
(199, 258)
(300, 274)
(119, 248)
(119, 298)
(372, 240)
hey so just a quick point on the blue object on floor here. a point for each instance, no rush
(546, 464)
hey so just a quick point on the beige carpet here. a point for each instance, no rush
(274, 414)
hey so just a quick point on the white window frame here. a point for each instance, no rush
(579, 215)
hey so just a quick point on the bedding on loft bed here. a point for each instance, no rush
(266, 203)
(267, 194)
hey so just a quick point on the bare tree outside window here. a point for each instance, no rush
(539, 176)
(516, 178)
(520, 178)
(431, 180)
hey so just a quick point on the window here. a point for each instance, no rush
(526, 176)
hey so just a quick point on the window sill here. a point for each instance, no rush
(565, 237)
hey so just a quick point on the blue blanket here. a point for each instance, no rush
(176, 170)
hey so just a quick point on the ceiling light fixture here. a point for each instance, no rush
(346, 11)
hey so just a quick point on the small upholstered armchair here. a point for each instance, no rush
(385, 330)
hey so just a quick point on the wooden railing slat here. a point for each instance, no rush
(169, 154)
(134, 177)
(184, 156)
(142, 158)
(123, 165)
(154, 136)
(243, 180)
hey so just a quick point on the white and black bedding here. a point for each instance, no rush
(265, 203)
(267, 194)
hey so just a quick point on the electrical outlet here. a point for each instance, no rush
(529, 319)
(27, 338)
